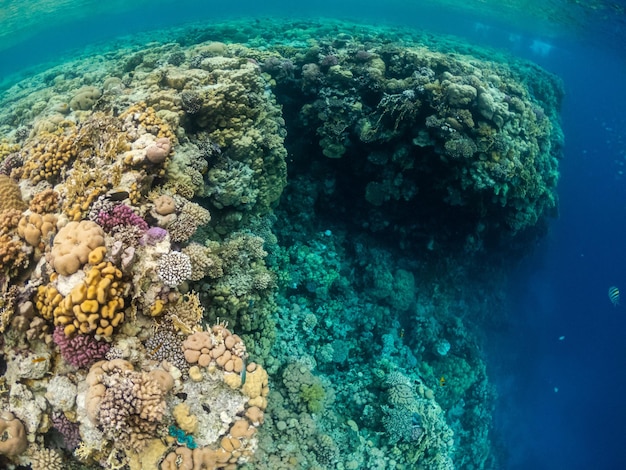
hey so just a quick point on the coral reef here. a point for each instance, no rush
(168, 302)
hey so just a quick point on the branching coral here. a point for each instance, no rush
(129, 405)
(80, 350)
(174, 268)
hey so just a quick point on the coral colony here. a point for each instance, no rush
(154, 315)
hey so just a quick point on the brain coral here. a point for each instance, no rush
(73, 244)
(11, 195)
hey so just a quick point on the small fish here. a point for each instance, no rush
(38, 359)
(442, 381)
(614, 295)
(155, 350)
(243, 373)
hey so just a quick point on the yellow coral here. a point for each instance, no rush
(145, 118)
(48, 156)
(6, 148)
(184, 419)
(84, 185)
(45, 202)
(256, 386)
(95, 305)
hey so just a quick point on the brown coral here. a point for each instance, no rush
(164, 205)
(47, 201)
(13, 255)
(34, 228)
(11, 195)
(190, 217)
(46, 459)
(46, 158)
(129, 405)
(219, 346)
(73, 244)
(13, 436)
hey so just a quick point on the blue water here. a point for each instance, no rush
(561, 401)
(562, 291)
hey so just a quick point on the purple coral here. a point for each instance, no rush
(153, 236)
(81, 350)
(67, 429)
(120, 215)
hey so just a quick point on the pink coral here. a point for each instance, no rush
(120, 215)
(153, 236)
(81, 350)
(158, 152)
(67, 429)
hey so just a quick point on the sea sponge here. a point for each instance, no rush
(72, 245)
(13, 436)
(11, 195)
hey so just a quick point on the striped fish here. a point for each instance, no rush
(614, 295)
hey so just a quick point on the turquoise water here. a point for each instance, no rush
(411, 214)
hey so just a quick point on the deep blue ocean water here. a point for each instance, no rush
(560, 360)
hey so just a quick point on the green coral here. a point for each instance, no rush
(313, 396)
